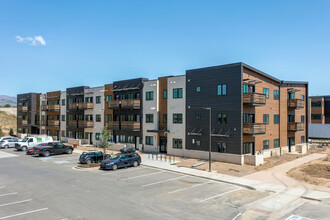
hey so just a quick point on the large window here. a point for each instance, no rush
(222, 147)
(198, 89)
(130, 118)
(276, 143)
(266, 92)
(165, 94)
(222, 118)
(276, 94)
(266, 118)
(303, 118)
(316, 104)
(122, 139)
(149, 140)
(98, 99)
(222, 89)
(316, 117)
(149, 95)
(276, 119)
(108, 98)
(63, 134)
(149, 118)
(97, 136)
(302, 139)
(63, 117)
(63, 102)
(98, 118)
(177, 118)
(302, 97)
(164, 118)
(177, 93)
(266, 144)
(130, 139)
(177, 143)
(108, 117)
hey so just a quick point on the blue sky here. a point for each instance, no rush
(96, 42)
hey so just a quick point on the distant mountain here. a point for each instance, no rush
(4, 99)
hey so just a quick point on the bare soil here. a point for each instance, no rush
(89, 165)
(7, 121)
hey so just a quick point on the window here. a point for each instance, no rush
(291, 141)
(63, 117)
(108, 98)
(266, 92)
(149, 96)
(222, 89)
(165, 94)
(80, 135)
(198, 143)
(43, 103)
(302, 139)
(108, 118)
(149, 140)
(302, 97)
(80, 100)
(149, 118)
(70, 134)
(198, 116)
(276, 143)
(222, 147)
(122, 138)
(245, 88)
(276, 94)
(177, 93)
(303, 118)
(276, 119)
(164, 118)
(198, 89)
(222, 118)
(130, 118)
(291, 95)
(71, 101)
(316, 104)
(130, 139)
(316, 117)
(131, 96)
(97, 136)
(177, 118)
(266, 144)
(98, 118)
(63, 102)
(98, 99)
(63, 134)
(177, 143)
(266, 119)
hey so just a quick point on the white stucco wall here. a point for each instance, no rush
(63, 112)
(42, 113)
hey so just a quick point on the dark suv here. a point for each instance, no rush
(121, 160)
(89, 157)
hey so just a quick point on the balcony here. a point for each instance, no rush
(85, 105)
(131, 103)
(23, 108)
(73, 123)
(85, 124)
(53, 123)
(113, 125)
(130, 125)
(254, 99)
(252, 129)
(44, 107)
(73, 106)
(53, 107)
(114, 104)
(43, 123)
(24, 122)
(295, 126)
(295, 103)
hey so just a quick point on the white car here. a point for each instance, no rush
(29, 142)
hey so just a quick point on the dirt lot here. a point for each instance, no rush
(7, 121)
(315, 172)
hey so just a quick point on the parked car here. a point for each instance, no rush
(89, 157)
(127, 150)
(30, 150)
(7, 142)
(52, 148)
(32, 141)
(121, 160)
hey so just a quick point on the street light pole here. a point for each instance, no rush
(210, 144)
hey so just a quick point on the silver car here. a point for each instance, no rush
(7, 142)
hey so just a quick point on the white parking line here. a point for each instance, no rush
(116, 172)
(168, 180)
(179, 190)
(221, 194)
(23, 213)
(12, 203)
(149, 174)
(237, 216)
(8, 194)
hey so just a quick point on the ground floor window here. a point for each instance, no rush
(149, 140)
(222, 147)
(177, 143)
(130, 139)
(248, 148)
(80, 135)
(71, 134)
(291, 141)
(63, 133)
(276, 143)
(97, 136)
(302, 139)
(122, 138)
(266, 144)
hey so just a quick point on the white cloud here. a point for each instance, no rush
(33, 41)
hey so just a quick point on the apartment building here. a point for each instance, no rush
(319, 109)
(27, 114)
(252, 113)
(63, 118)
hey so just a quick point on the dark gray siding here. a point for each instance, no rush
(208, 79)
(31, 114)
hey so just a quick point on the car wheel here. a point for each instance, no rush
(24, 148)
(114, 167)
(135, 164)
(69, 151)
(88, 161)
(6, 146)
(46, 153)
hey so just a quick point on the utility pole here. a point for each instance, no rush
(210, 144)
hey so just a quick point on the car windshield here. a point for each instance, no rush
(25, 139)
(114, 157)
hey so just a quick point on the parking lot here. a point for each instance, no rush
(33, 187)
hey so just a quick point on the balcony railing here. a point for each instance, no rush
(73, 106)
(130, 125)
(24, 122)
(54, 107)
(114, 104)
(254, 99)
(85, 105)
(295, 126)
(113, 125)
(295, 103)
(44, 107)
(254, 129)
(53, 123)
(73, 123)
(131, 103)
(85, 124)
(43, 123)
(23, 108)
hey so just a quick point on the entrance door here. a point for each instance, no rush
(137, 143)
(163, 144)
(91, 138)
(289, 144)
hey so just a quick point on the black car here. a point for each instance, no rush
(89, 157)
(52, 148)
(121, 160)
(127, 150)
